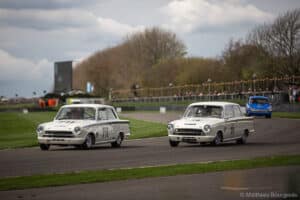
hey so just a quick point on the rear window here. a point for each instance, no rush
(259, 101)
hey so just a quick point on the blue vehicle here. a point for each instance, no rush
(259, 106)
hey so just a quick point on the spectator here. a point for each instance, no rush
(290, 93)
(294, 94)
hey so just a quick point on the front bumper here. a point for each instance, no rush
(192, 138)
(61, 141)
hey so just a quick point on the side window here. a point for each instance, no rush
(229, 111)
(237, 111)
(102, 115)
(110, 114)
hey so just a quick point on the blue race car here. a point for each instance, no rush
(259, 106)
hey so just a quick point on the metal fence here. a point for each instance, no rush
(209, 91)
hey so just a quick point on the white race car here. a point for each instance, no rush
(83, 125)
(211, 122)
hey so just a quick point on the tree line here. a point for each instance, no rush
(157, 58)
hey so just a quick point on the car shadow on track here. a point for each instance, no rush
(231, 144)
(71, 148)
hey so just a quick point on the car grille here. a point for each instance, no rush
(188, 132)
(58, 134)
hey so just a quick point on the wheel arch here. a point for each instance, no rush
(93, 136)
(220, 132)
(122, 134)
(246, 131)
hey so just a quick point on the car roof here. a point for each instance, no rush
(212, 103)
(258, 97)
(87, 105)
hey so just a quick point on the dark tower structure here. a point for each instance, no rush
(63, 76)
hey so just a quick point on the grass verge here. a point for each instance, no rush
(145, 129)
(289, 115)
(39, 181)
(18, 129)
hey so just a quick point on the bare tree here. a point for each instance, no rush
(281, 42)
(127, 63)
(155, 44)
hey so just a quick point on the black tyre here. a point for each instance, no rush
(268, 116)
(44, 147)
(243, 139)
(89, 141)
(173, 143)
(218, 139)
(118, 141)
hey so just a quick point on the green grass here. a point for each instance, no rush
(290, 115)
(18, 129)
(37, 181)
(143, 129)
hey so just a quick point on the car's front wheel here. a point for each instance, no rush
(218, 139)
(88, 143)
(268, 116)
(44, 147)
(173, 143)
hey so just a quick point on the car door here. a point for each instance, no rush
(238, 116)
(113, 121)
(104, 126)
(229, 129)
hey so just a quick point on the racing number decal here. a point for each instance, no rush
(105, 132)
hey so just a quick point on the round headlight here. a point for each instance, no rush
(206, 128)
(40, 129)
(170, 126)
(77, 129)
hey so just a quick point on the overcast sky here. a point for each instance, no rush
(34, 33)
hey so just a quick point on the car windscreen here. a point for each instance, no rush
(78, 113)
(204, 111)
(259, 101)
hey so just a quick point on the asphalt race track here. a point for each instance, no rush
(240, 184)
(273, 137)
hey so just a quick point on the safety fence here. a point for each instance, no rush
(209, 90)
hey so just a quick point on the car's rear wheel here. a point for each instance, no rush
(243, 139)
(118, 141)
(173, 143)
(44, 147)
(268, 116)
(88, 143)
